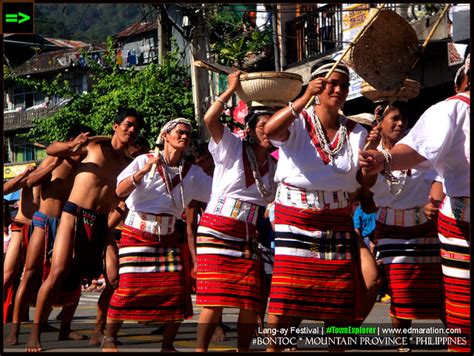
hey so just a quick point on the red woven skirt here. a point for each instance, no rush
(412, 264)
(228, 273)
(455, 255)
(152, 286)
(314, 273)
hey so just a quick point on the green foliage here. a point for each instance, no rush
(158, 92)
(230, 44)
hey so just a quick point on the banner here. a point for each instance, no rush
(12, 171)
(353, 18)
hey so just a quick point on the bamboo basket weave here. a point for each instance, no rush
(410, 90)
(385, 51)
(269, 88)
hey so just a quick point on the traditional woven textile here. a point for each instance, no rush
(152, 284)
(50, 227)
(412, 264)
(310, 199)
(89, 241)
(401, 217)
(229, 265)
(454, 236)
(314, 274)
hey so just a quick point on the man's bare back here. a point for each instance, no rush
(56, 189)
(28, 204)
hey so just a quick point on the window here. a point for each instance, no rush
(25, 98)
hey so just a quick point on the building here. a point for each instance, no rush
(311, 32)
(22, 105)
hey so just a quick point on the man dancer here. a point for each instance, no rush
(55, 177)
(80, 239)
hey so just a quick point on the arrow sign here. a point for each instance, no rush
(14, 17)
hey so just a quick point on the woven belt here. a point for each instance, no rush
(311, 199)
(401, 217)
(234, 208)
(458, 208)
(153, 224)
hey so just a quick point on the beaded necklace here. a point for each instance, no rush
(392, 181)
(267, 194)
(341, 137)
(167, 179)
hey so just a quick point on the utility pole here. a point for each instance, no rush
(276, 46)
(199, 77)
(163, 32)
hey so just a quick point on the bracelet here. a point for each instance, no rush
(134, 183)
(224, 104)
(293, 111)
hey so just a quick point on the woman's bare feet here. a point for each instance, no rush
(68, 334)
(168, 349)
(33, 344)
(97, 335)
(109, 344)
(219, 334)
(12, 338)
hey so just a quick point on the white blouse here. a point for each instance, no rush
(231, 177)
(301, 165)
(152, 196)
(441, 135)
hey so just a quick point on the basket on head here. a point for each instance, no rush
(270, 89)
(363, 118)
(410, 90)
(385, 52)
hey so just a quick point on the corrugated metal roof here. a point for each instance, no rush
(136, 28)
(67, 43)
(50, 61)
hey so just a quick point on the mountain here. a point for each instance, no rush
(88, 22)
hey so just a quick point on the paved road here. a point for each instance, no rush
(139, 338)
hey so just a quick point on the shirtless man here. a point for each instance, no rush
(20, 230)
(55, 177)
(83, 226)
(139, 146)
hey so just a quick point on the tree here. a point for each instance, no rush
(234, 43)
(159, 92)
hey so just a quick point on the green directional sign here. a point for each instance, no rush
(19, 18)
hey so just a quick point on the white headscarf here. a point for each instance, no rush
(170, 125)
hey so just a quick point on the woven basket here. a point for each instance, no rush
(363, 118)
(385, 52)
(410, 89)
(269, 88)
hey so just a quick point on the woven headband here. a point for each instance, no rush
(325, 68)
(460, 70)
(170, 125)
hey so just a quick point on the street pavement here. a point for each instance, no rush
(138, 337)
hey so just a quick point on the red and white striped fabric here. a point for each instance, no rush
(314, 274)
(411, 260)
(229, 265)
(453, 231)
(152, 285)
